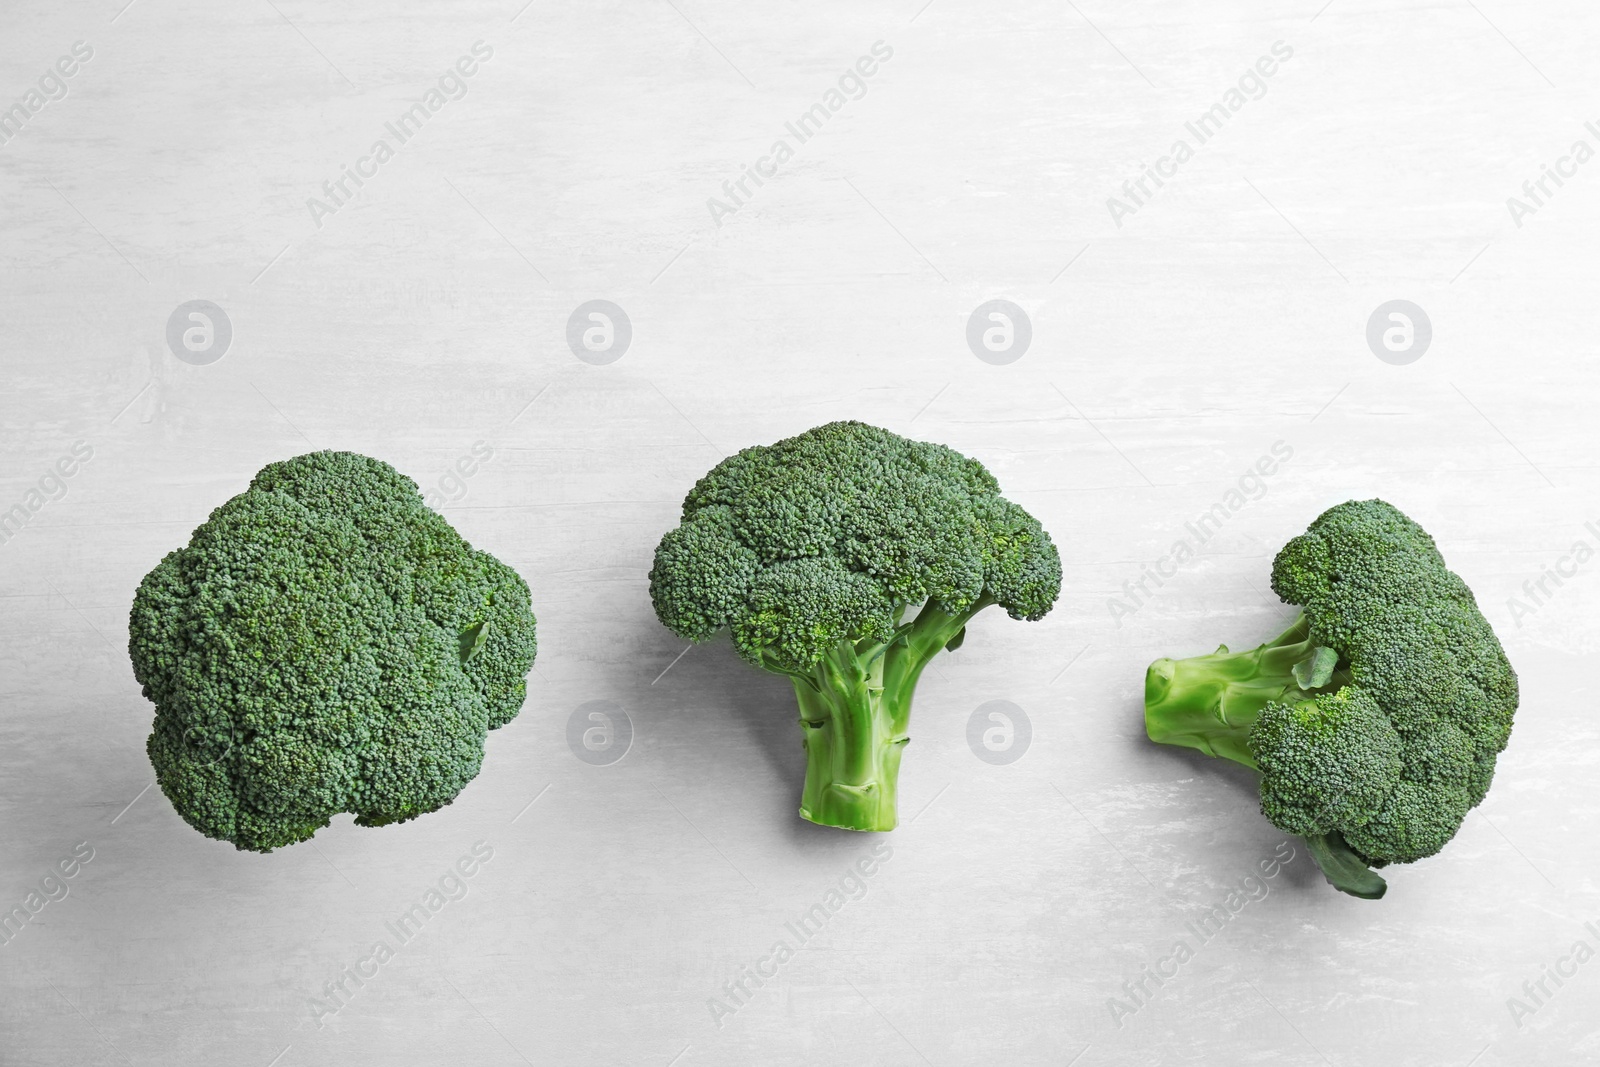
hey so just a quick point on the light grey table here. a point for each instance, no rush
(1176, 336)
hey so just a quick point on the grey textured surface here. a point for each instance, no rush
(1168, 354)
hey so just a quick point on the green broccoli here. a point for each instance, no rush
(1375, 718)
(810, 551)
(325, 644)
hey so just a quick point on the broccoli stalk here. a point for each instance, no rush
(853, 732)
(1211, 702)
(855, 707)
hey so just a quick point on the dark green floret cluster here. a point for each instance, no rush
(325, 643)
(1376, 718)
(811, 551)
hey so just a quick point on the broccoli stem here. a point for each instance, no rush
(852, 749)
(855, 706)
(1211, 702)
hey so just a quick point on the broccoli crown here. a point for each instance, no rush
(1325, 763)
(325, 643)
(828, 536)
(1396, 758)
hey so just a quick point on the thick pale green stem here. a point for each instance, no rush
(855, 708)
(927, 636)
(1211, 702)
(852, 748)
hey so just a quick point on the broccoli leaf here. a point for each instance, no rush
(1315, 670)
(472, 639)
(1343, 869)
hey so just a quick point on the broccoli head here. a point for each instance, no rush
(810, 552)
(1376, 718)
(325, 643)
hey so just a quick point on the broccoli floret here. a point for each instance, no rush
(1325, 763)
(1376, 718)
(810, 552)
(325, 643)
